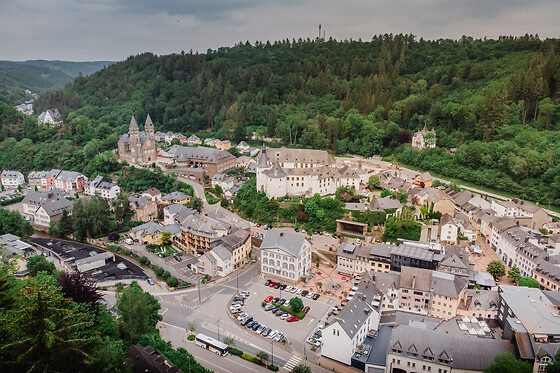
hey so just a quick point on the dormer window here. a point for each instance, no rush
(444, 358)
(428, 354)
(412, 351)
(397, 348)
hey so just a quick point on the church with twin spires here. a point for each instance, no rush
(138, 147)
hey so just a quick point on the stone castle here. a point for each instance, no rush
(138, 147)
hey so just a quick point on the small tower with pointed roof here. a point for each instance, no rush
(134, 133)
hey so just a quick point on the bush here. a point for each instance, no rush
(273, 368)
(263, 303)
(144, 260)
(172, 281)
(235, 351)
(251, 359)
(191, 337)
(11, 201)
(165, 275)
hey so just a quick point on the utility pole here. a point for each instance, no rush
(199, 298)
(218, 320)
(272, 358)
(237, 280)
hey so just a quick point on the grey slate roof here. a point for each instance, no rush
(413, 252)
(290, 243)
(56, 207)
(465, 353)
(347, 250)
(276, 171)
(222, 252)
(175, 195)
(381, 249)
(39, 198)
(381, 204)
(68, 176)
(140, 203)
(101, 182)
(416, 278)
(210, 155)
(448, 284)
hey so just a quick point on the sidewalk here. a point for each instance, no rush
(335, 366)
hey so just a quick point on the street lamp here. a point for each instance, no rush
(199, 298)
(218, 320)
(272, 354)
(237, 280)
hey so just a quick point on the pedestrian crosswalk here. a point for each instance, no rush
(291, 364)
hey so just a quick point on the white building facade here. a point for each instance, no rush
(285, 256)
(12, 179)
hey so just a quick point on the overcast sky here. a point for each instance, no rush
(88, 30)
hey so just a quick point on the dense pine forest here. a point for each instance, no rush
(496, 101)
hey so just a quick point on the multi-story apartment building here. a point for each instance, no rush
(380, 257)
(353, 259)
(285, 256)
(12, 179)
(238, 242)
(144, 209)
(415, 287)
(447, 290)
(548, 276)
(198, 232)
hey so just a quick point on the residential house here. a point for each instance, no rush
(380, 257)
(232, 192)
(48, 179)
(144, 209)
(11, 245)
(151, 233)
(353, 259)
(34, 179)
(482, 304)
(465, 228)
(389, 285)
(194, 140)
(412, 256)
(528, 257)
(553, 228)
(529, 318)
(548, 275)
(238, 242)
(349, 178)
(51, 116)
(425, 197)
(554, 242)
(455, 262)
(224, 145)
(146, 359)
(243, 161)
(170, 211)
(415, 290)
(216, 262)
(414, 349)
(386, 204)
(218, 179)
(285, 256)
(12, 179)
(103, 187)
(345, 332)
(447, 290)
(242, 147)
(423, 180)
(449, 229)
(152, 193)
(175, 197)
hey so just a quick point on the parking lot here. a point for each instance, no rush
(296, 332)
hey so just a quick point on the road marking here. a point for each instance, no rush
(310, 321)
(292, 363)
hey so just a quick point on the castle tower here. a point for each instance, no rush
(134, 133)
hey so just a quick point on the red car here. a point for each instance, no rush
(272, 283)
(306, 309)
(292, 319)
(269, 298)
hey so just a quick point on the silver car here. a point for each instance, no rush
(261, 329)
(279, 337)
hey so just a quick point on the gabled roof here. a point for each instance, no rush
(175, 195)
(152, 191)
(448, 284)
(416, 278)
(381, 204)
(201, 153)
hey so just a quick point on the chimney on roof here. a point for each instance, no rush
(413, 281)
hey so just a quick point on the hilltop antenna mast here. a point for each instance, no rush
(319, 31)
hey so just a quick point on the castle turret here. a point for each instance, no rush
(149, 128)
(263, 159)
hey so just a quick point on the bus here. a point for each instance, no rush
(211, 344)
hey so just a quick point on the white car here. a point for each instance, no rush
(320, 327)
(261, 329)
(288, 288)
(236, 308)
(241, 317)
(310, 295)
(293, 290)
(298, 292)
(285, 316)
(272, 334)
(279, 336)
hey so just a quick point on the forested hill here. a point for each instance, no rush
(495, 100)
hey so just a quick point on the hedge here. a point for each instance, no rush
(235, 351)
(273, 368)
(11, 201)
(251, 358)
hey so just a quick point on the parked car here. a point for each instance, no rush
(282, 302)
(299, 291)
(269, 298)
(247, 320)
(306, 309)
(275, 300)
(296, 229)
(244, 294)
(268, 307)
(272, 334)
(241, 317)
(277, 285)
(304, 293)
(261, 329)
(285, 316)
(294, 289)
(316, 296)
(288, 288)
(265, 332)
(310, 295)
(292, 319)
(150, 281)
(256, 326)
(283, 287)
(267, 282)
(272, 283)
(250, 324)
(279, 337)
